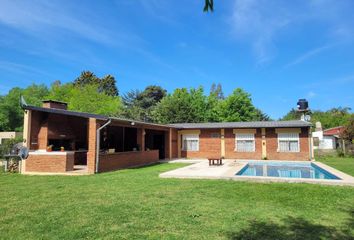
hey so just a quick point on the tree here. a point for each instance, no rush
(208, 6)
(130, 98)
(151, 96)
(217, 91)
(11, 114)
(238, 107)
(333, 117)
(348, 132)
(213, 106)
(87, 98)
(90, 99)
(86, 77)
(181, 106)
(261, 116)
(139, 105)
(106, 85)
(293, 114)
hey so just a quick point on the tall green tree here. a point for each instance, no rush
(217, 91)
(107, 84)
(261, 116)
(348, 133)
(86, 98)
(333, 117)
(213, 108)
(11, 114)
(238, 107)
(139, 105)
(182, 105)
(208, 6)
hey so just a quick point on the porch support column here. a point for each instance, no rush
(264, 144)
(170, 143)
(141, 138)
(27, 118)
(179, 135)
(222, 140)
(43, 136)
(92, 138)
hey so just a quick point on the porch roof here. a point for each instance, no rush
(90, 115)
(258, 124)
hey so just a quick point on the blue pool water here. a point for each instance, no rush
(285, 170)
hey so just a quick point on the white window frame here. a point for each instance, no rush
(190, 137)
(289, 136)
(245, 137)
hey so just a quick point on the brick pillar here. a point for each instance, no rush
(168, 137)
(179, 146)
(141, 138)
(26, 134)
(264, 144)
(43, 136)
(92, 138)
(167, 145)
(222, 142)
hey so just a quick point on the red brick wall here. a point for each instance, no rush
(91, 154)
(208, 146)
(50, 163)
(35, 127)
(46, 126)
(174, 143)
(110, 162)
(272, 146)
(211, 147)
(55, 105)
(230, 146)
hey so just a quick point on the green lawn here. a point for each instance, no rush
(345, 164)
(136, 204)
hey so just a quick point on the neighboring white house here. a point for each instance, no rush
(9, 135)
(326, 139)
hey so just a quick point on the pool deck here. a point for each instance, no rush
(200, 169)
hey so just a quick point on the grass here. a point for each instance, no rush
(136, 204)
(344, 164)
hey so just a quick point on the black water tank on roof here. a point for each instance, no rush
(302, 105)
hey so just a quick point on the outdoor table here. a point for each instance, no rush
(213, 160)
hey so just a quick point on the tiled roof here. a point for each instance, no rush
(260, 124)
(333, 131)
(265, 124)
(89, 115)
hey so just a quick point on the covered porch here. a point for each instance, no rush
(61, 141)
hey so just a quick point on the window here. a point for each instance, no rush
(215, 135)
(190, 142)
(245, 142)
(288, 142)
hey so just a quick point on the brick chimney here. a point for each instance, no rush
(54, 104)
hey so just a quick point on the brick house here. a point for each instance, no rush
(60, 140)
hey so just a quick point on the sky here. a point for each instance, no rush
(278, 51)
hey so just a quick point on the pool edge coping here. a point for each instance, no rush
(346, 180)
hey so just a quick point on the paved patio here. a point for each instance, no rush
(200, 169)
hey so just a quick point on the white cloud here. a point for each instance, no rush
(20, 68)
(52, 19)
(311, 94)
(261, 23)
(310, 54)
(257, 22)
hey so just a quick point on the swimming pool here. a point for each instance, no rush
(285, 170)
